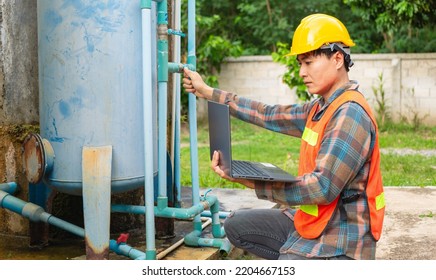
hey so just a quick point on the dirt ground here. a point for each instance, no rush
(409, 231)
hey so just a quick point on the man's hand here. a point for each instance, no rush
(193, 83)
(217, 169)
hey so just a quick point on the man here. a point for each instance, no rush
(340, 191)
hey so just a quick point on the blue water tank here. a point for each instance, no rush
(90, 85)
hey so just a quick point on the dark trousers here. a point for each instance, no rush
(262, 232)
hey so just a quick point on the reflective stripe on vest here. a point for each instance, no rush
(311, 220)
(310, 136)
(380, 201)
(310, 209)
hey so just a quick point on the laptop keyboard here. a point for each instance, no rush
(246, 168)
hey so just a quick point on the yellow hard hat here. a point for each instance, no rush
(317, 30)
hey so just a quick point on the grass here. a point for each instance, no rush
(254, 143)
(406, 136)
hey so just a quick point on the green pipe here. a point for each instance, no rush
(221, 215)
(162, 43)
(217, 230)
(223, 244)
(178, 67)
(145, 4)
(168, 212)
(176, 32)
(175, 67)
(193, 239)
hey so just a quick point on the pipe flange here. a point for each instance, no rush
(38, 157)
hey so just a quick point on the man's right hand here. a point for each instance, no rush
(193, 83)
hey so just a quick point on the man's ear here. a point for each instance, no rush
(339, 59)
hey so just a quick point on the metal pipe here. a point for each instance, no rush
(148, 128)
(10, 187)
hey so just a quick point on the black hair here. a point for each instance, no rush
(329, 52)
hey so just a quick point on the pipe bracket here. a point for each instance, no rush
(176, 32)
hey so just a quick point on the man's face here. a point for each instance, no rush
(319, 73)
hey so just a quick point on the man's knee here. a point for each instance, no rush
(229, 225)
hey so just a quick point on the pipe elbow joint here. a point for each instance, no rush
(192, 239)
(225, 247)
(218, 231)
(10, 187)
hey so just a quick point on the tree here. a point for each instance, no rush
(397, 19)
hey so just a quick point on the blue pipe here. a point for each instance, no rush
(169, 212)
(125, 250)
(177, 94)
(193, 115)
(148, 128)
(10, 187)
(36, 213)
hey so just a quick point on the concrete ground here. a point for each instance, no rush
(409, 231)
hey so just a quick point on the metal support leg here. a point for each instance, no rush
(96, 174)
(43, 196)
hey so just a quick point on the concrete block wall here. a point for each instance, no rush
(409, 81)
(256, 77)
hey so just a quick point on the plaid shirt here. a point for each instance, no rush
(336, 172)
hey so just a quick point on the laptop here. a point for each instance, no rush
(220, 140)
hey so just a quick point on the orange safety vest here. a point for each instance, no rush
(311, 220)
